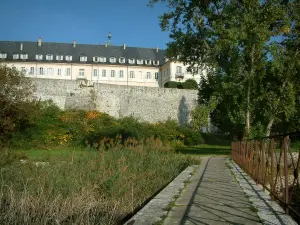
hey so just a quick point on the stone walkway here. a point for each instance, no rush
(213, 197)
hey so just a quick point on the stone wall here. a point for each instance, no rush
(145, 103)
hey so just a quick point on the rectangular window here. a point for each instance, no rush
(103, 73)
(83, 58)
(112, 73)
(69, 58)
(23, 70)
(121, 73)
(131, 61)
(139, 61)
(50, 71)
(68, 72)
(3, 55)
(41, 70)
(148, 62)
(122, 60)
(24, 56)
(15, 56)
(39, 57)
(96, 59)
(81, 72)
(156, 63)
(156, 76)
(31, 70)
(58, 72)
(102, 59)
(148, 75)
(59, 57)
(49, 57)
(95, 72)
(131, 74)
(112, 59)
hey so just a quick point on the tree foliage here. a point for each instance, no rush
(248, 49)
(17, 106)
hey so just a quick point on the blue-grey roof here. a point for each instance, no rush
(51, 48)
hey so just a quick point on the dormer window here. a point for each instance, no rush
(15, 56)
(59, 57)
(156, 62)
(148, 62)
(23, 56)
(38, 57)
(83, 58)
(112, 59)
(49, 57)
(96, 59)
(122, 60)
(3, 55)
(140, 61)
(68, 58)
(102, 59)
(131, 61)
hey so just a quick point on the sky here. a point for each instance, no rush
(86, 21)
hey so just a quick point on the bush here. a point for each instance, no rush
(171, 84)
(190, 84)
(191, 137)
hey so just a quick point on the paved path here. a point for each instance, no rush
(213, 197)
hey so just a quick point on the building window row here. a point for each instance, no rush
(83, 58)
(58, 72)
(42, 71)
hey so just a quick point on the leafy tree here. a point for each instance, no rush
(17, 106)
(233, 40)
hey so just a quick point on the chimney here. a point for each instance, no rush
(40, 42)
(156, 49)
(21, 46)
(124, 46)
(106, 45)
(74, 44)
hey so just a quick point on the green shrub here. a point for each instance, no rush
(190, 84)
(191, 137)
(171, 84)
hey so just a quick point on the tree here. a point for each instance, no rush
(17, 105)
(231, 39)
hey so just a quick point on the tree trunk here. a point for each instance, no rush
(269, 127)
(248, 115)
(248, 110)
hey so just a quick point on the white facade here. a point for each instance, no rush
(177, 71)
(108, 74)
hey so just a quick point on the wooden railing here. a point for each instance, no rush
(273, 162)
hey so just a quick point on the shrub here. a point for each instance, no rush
(190, 84)
(171, 84)
(191, 137)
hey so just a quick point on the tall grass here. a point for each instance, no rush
(87, 188)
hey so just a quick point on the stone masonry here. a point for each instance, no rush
(149, 104)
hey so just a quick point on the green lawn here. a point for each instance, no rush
(205, 149)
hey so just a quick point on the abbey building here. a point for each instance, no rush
(120, 65)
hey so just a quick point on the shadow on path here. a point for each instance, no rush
(217, 199)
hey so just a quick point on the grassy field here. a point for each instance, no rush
(205, 149)
(85, 186)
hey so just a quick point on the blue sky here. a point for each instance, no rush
(87, 22)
